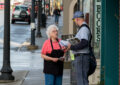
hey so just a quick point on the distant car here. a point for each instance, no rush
(21, 13)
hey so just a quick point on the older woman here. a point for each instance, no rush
(52, 53)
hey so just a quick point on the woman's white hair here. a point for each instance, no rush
(50, 29)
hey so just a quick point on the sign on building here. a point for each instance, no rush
(97, 20)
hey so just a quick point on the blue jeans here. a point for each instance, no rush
(81, 64)
(56, 18)
(53, 80)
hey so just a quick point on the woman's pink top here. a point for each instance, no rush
(47, 46)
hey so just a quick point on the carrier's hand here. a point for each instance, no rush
(64, 48)
(68, 47)
(55, 59)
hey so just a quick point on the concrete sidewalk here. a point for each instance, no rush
(36, 77)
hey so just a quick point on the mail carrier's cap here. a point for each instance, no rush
(78, 14)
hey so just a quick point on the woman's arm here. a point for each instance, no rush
(49, 58)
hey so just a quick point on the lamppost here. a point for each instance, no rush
(39, 18)
(49, 7)
(33, 23)
(33, 28)
(78, 5)
(44, 6)
(6, 71)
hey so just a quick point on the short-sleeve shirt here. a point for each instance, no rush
(83, 33)
(46, 48)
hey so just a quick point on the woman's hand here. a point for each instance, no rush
(49, 58)
(61, 59)
(55, 60)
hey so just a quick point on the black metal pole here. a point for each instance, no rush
(39, 18)
(49, 7)
(44, 6)
(6, 71)
(78, 5)
(33, 23)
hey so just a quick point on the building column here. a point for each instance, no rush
(68, 14)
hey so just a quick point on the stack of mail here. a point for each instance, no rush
(64, 43)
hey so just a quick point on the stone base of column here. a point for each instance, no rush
(32, 47)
